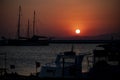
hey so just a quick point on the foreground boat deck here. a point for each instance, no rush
(21, 77)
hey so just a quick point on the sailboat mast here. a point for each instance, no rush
(34, 24)
(28, 29)
(18, 31)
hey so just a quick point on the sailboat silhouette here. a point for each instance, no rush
(35, 40)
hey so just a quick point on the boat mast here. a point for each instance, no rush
(72, 48)
(34, 24)
(18, 31)
(28, 30)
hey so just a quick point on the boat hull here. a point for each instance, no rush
(24, 42)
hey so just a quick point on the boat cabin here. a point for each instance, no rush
(67, 64)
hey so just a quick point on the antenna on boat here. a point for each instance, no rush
(72, 48)
(34, 24)
(18, 31)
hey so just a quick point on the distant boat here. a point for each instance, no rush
(25, 41)
(34, 41)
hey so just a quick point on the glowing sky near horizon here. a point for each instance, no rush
(61, 17)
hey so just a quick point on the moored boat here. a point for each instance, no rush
(67, 64)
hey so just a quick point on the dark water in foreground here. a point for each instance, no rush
(24, 57)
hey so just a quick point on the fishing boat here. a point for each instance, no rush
(67, 64)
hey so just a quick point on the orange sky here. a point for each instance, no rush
(61, 17)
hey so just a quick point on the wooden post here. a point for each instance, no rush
(5, 63)
(37, 65)
(63, 67)
(36, 70)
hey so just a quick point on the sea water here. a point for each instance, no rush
(24, 57)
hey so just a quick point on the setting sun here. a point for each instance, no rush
(77, 31)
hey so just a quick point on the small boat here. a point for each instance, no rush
(67, 64)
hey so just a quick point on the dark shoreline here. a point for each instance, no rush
(47, 42)
(84, 41)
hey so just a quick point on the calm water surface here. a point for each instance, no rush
(24, 57)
